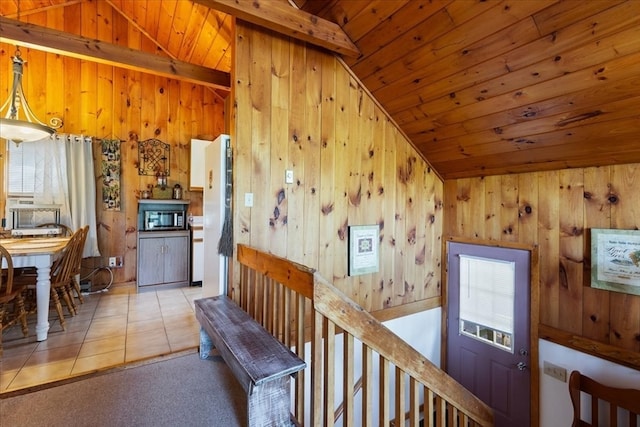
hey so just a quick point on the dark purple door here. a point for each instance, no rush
(488, 327)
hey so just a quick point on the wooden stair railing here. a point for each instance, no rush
(315, 319)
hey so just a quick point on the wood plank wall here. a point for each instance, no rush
(298, 108)
(113, 103)
(556, 211)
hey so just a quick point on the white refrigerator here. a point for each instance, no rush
(216, 198)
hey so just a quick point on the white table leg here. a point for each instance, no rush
(43, 289)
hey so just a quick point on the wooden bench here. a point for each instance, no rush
(261, 363)
(624, 398)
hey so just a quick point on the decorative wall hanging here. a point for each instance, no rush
(615, 260)
(154, 158)
(111, 174)
(363, 249)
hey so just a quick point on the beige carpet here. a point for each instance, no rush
(179, 390)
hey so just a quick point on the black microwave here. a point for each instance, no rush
(164, 220)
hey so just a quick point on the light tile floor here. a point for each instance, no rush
(111, 328)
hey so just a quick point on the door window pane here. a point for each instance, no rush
(487, 290)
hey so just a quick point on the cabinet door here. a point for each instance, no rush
(176, 266)
(196, 174)
(151, 256)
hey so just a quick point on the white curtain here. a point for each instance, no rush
(67, 179)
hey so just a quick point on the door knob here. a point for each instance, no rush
(521, 366)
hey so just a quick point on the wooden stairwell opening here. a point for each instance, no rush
(359, 370)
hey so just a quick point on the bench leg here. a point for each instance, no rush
(269, 404)
(206, 345)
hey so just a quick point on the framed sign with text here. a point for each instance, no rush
(615, 260)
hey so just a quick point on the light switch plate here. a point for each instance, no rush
(288, 176)
(248, 200)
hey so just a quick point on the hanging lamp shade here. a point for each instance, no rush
(12, 127)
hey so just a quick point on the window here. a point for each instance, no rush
(21, 169)
(33, 168)
(487, 292)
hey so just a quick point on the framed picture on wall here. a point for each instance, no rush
(364, 256)
(615, 260)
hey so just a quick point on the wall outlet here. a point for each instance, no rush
(555, 371)
(85, 285)
(112, 261)
(248, 200)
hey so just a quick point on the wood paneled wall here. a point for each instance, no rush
(556, 211)
(113, 103)
(298, 108)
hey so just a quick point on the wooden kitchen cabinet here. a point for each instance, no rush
(196, 168)
(163, 258)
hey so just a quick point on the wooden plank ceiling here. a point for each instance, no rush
(479, 87)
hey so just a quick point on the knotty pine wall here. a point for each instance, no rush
(298, 108)
(556, 211)
(108, 102)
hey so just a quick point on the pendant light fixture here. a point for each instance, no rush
(12, 127)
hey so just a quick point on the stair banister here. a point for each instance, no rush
(302, 309)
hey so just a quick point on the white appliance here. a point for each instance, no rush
(197, 248)
(214, 201)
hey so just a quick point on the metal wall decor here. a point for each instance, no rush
(153, 157)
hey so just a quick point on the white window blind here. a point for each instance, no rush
(487, 291)
(21, 170)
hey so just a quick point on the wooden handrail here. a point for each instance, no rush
(333, 304)
(299, 307)
(295, 276)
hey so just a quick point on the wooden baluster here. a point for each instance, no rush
(400, 396)
(329, 352)
(348, 380)
(316, 409)
(367, 387)
(384, 391)
(414, 402)
(429, 400)
(441, 412)
(298, 304)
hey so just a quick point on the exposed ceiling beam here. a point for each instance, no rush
(166, 51)
(48, 40)
(282, 18)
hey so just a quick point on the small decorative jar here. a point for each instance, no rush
(145, 194)
(177, 192)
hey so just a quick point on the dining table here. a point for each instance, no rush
(38, 252)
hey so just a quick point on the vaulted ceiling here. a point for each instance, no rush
(479, 87)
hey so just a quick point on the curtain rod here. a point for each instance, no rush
(73, 138)
(81, 138)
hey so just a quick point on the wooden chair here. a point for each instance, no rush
(12, 307)
(77, 265)
(628, 399)
(62, 272)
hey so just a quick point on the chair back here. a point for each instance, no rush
(6, 278)
(64, 267)
(628, 399)
(77, 263)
